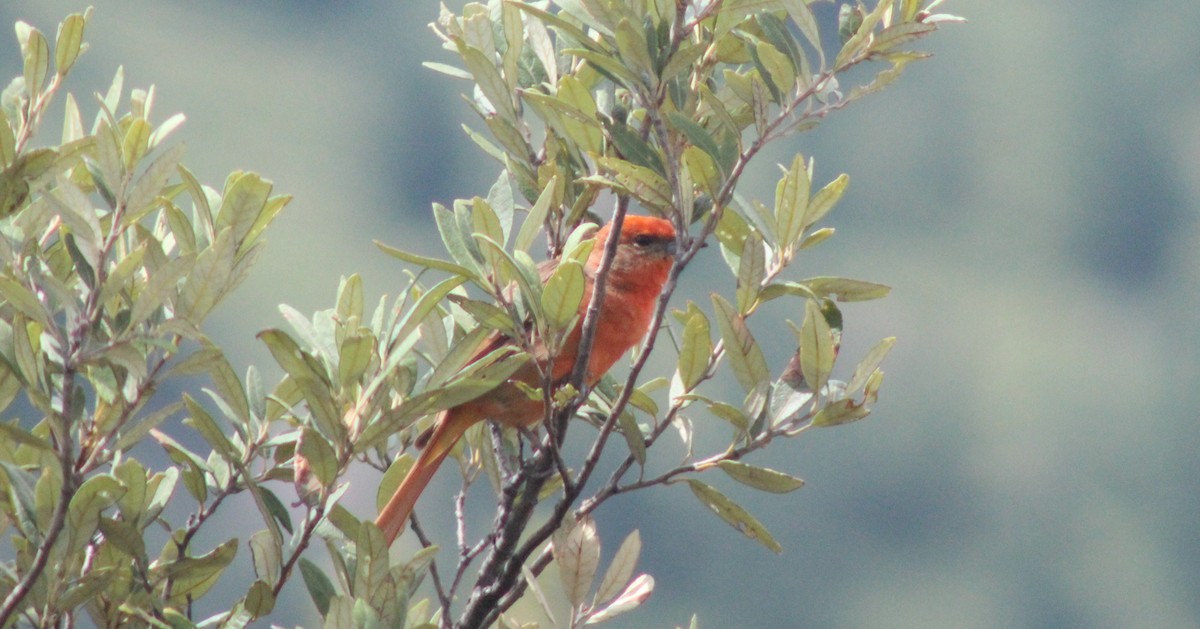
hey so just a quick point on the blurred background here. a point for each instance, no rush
(1031, 194)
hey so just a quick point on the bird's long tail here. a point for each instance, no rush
(394, 515)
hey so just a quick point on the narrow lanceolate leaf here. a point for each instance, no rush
(745, 356)
(760, 477)
(734, 515)
(791, 201)
(563, 293)
(638, 591)
(620, 570)
(536, 217)
(694, 350)
(825, 199)
(845, 289)
(427, 262)
(151, 183)
(320, 588)
(203, 423)
(816, 346)
(696, 134)
(869, 364)
(577, 553)
(751, 271)
(898, 35)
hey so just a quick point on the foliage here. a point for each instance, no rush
(114, 254)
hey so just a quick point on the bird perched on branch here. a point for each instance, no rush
(645, 252)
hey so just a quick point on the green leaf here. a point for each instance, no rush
(194, 576)
(485, 221)
(350, 300)
(371, 560)
(429, 263)
(259, 601)
(194, 466)
(354, 356)
(869, 364)
(695, 349)
(563, 293)
(633, 148)
(135, 143)
(276, 509)
(36, 52)
(634, 439)
(392, 478)
(632, 47)
(321, 457)
(13, 432)
(94, 496)
(825, 199)
(900, 34)
(696, 134)
(149, 186)
(734, 515)
(791, 202)
(485, 374)
(745, 356)
(620, 571)
(576, 550)
(500, 199)
(535, 220)
(22, 498)
(203, 423)
(803, 17)
(774, 68)
(751, 273)
(267, 556)
(817, 351)
(491, 84)
(69, 42)
(845, 289)
(760, 477)
(23, 300)
(244, 198)
(209, 278)
(643, 184)
(840, 412)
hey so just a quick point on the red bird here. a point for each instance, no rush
(643, 260)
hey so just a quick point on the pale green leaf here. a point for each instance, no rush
(69, 42)
(620, 570)
(825, 199)
(760, 477)
(817, 351)
(563, 293)
(536, 217)
(869, 364)
(577, 553)
(745, 356)
(845, 289)
(734, 515)
(267, 556)
(695, 349)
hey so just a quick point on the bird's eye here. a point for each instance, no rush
(643, 240)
